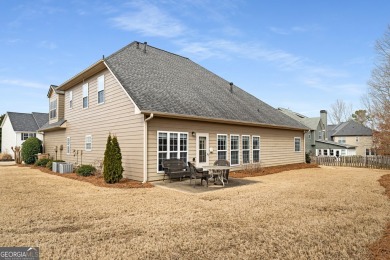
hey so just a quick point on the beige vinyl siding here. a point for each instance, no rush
(115, 116)
(60, 106)
(55, 139)
(276, 146)
(365, 142)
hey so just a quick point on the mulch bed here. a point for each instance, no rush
(380, 250)
(272, 170)
(96, 180)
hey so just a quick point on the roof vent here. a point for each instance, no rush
(137, 45)
(231, 87)
(145, 43)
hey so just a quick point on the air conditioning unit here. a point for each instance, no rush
(65, 168)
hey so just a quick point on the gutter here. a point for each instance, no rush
(146, 147)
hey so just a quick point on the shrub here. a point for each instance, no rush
(308, 159)
(49, 164)
(42, 162)
(5, 157)
(112, 163)
(85, 170)
(30, 148)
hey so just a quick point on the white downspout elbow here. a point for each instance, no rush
(146, 148)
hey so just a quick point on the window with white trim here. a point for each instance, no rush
(25, 136)
(85, 95)
(100, 89)
(320, 134)
(341, 140)
(331, 152)
(222, 147)
(88, 143)
(234, 149)
(297, 144)
(245, 149)
(68, 145)
(319, 152)
(255, 149)
(343, 152)
(326, 152)
(53, 109)
(171, 145)
(70, 99)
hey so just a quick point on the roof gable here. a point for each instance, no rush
(24, 122)
(159, 81)
(351, 128)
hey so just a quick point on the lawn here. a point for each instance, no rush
(320, 213)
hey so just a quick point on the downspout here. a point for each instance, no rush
(146, 148)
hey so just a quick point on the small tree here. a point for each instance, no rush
(112, 163)
(30, 148)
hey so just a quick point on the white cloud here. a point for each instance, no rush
(149, 20)
(23, 83)
(48, 45)
(294, 29)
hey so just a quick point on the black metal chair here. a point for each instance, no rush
(198, 173)
(226, 172)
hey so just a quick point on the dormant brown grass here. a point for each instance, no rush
(321, 213)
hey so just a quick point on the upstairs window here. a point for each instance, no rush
(101, 89)
(320, 134)
(341, 140)
(85, 95)
(53, 109)
(24, 136)
(70, 99)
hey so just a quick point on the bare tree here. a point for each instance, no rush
(379, 94)
(340, 112)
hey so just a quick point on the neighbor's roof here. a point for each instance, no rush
(310, 122)
(27, 122)
(336, 144)
(162, 82)
(350, 128)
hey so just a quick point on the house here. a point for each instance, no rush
(317, 138)
(161, 105)
(17, 127)
(353, 133)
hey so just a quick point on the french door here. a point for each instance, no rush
(202, 149)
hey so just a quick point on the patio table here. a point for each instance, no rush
(218, 171)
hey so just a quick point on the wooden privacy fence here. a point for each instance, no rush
(375, 162)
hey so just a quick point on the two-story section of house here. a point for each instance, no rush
(160, 106)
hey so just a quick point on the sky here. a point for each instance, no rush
(301, 55)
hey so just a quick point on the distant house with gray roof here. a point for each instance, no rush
(17, 127)
(353, 133)
(318, 140)
(161, 105)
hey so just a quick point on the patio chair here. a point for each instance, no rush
(226, 172)
(198, 173)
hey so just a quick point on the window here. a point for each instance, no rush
(101, 89)
(256, 149)
(343, 152)
(70, 99)
(297, 144)
(68, 146)
(320, 135)
(85, 95)
(309, 136)
(326, 152)
(319, 152)
(245, 149)
(341, 140)
(331, 152)
(24, 136)
(53, 109)
(172, 145)
(88, 143)
(234, 149)
(222, 147)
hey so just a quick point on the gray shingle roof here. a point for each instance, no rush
(351, 128)
(24, 122)
(159, 81)
(55, 125)
(336, 144)
(310, 122)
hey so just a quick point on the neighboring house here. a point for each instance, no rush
(161, 105)
(17, 127)
(353, 133)
(316, 139)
